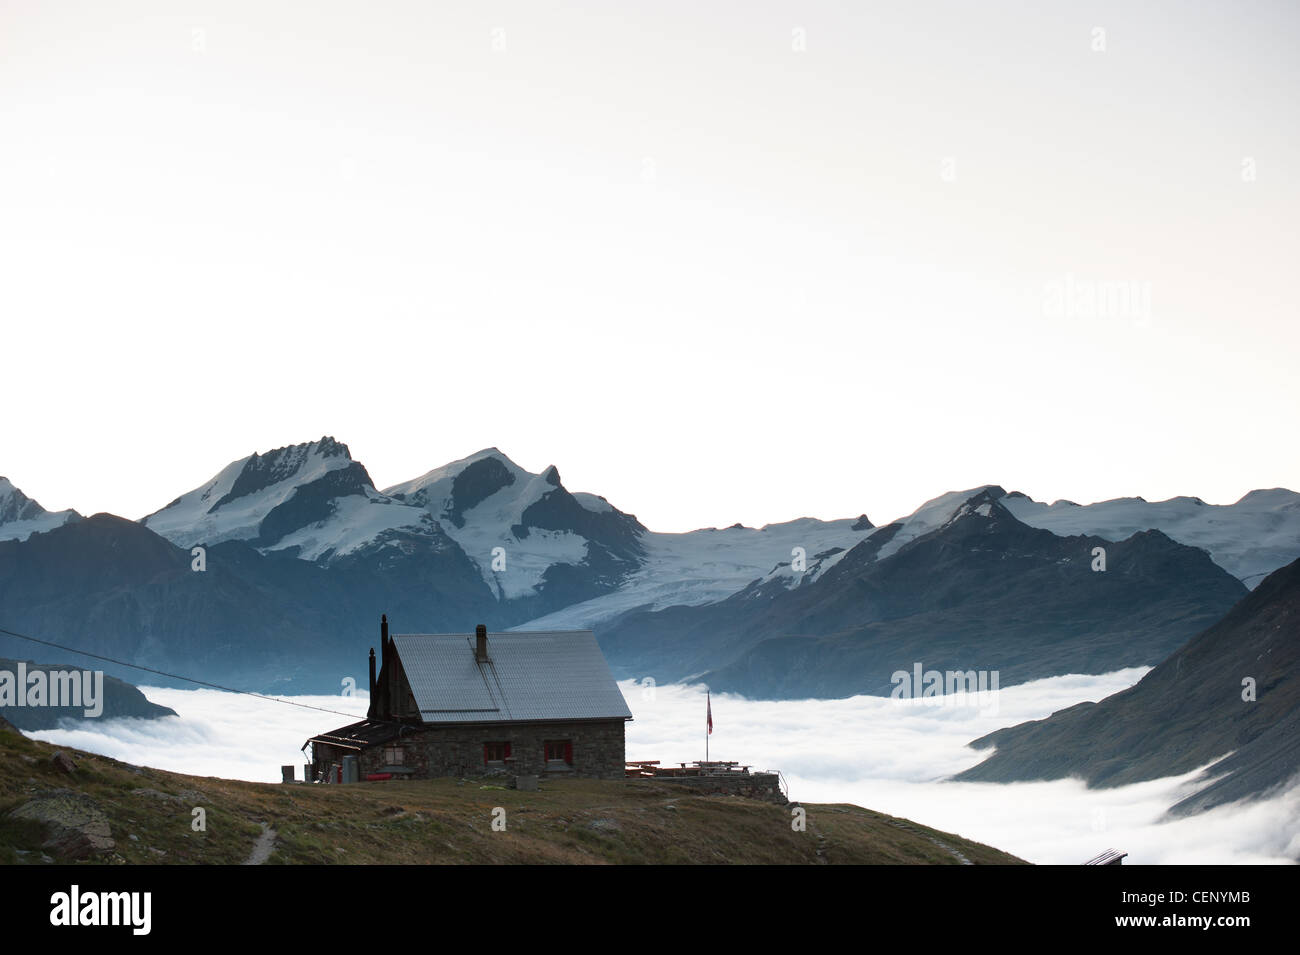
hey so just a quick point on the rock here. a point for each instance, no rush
(63, 762)
(526, 782)
(75, 826)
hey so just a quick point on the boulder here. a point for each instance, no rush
(75, 826)
(63, 762)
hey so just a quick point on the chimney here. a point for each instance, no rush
(378, 700)
(480, 648)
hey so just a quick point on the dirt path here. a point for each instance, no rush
(942, 845)
(262, 848)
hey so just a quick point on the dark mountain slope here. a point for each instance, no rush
(115, 588)
(120, 699)
(1186, 712)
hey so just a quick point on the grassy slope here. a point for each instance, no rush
(449, 821)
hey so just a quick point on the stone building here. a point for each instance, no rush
(473, 704)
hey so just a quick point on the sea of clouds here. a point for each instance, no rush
(891, 755)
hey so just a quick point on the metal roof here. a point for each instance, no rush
(358, 735)
(547, 675)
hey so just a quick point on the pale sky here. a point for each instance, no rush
(717, 262)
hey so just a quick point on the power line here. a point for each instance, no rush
(176, 676)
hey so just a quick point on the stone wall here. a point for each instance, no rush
(765, 786)
(429, 751)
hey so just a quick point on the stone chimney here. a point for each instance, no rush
(480, 644)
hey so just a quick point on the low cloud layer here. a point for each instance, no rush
(889, 755)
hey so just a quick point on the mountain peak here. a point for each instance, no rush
(987, 495)
(986, 505)
(327, 447)
(296, 462)
(936, 513)
(20, 516)
(15, 505)
(234, 503)
(1271, 497)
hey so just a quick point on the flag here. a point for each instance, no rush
(709, 704)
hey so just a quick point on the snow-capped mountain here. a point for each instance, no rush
(525, 533)
(310, 497)
(1249, 539)
(709, 565)
(529, 536)
(893, 588)
(20, 516)
(501, 514)
(302, 544)
(974, 588)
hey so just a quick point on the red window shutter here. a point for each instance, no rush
(507, 750)
(485, 752)
(568, 752)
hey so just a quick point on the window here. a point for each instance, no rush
(559, 750)
(392, 756)
(496, 752)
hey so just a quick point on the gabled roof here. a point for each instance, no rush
(549, 675)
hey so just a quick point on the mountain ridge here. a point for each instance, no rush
(304, 534)
(980, 590)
